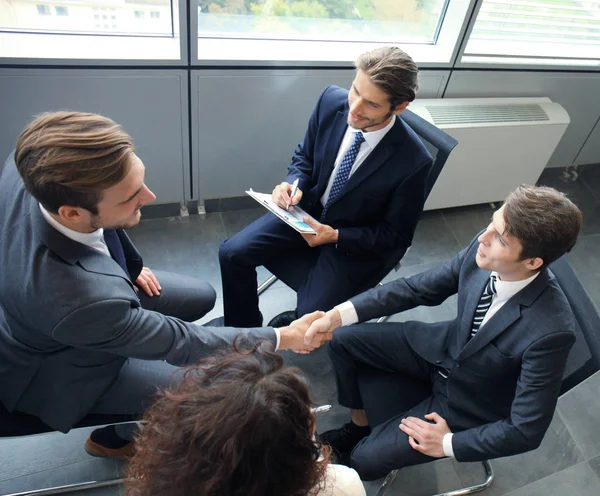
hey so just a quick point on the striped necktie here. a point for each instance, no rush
(343, 172)
(485, 302)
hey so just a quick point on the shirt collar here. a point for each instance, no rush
(507, 289)
(373, 138)
(83, 238)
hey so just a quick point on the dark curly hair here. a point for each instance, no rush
(238, 424)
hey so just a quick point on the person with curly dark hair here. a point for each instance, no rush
(239, 423)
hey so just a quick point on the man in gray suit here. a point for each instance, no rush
(84, 327)
(481, 386)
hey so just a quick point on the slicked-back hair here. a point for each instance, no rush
(544, 220)
(393, 71)
(239, 424)
(70, 158)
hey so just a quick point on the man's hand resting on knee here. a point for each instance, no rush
(426, 437)
(292, 336)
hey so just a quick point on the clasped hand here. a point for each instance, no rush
(292, 337)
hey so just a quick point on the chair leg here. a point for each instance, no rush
(489, 472)
(266, 285)
(80, 486)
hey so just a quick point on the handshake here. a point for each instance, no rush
(309, 332)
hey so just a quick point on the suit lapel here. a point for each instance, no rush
(71, 251)
(338, 129)
(379, 156)
(477, 284)
(506, 316)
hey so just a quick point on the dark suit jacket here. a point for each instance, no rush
(377, 211)
(70, 317)
(504, 383)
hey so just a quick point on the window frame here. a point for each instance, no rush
(109, 48)
(424, 55)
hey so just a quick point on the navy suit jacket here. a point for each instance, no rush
(70, 317)
(503, 383)
(377, 211)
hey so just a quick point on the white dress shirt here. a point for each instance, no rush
(94, 239)
(372, 139)
(505, 290)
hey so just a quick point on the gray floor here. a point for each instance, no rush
(189, 245)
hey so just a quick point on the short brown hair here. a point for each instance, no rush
(392, 71)
(69, 158)
(544, 220)
(239, 424)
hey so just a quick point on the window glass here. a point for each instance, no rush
(381, 21)
(564, 31)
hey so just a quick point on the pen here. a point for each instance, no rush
(322, 408)
(294, 189)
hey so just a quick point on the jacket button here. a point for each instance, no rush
(458, 365)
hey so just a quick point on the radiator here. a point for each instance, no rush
(502, 142)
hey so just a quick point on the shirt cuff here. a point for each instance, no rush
(347, 313)
(447, 444)
(278, 338)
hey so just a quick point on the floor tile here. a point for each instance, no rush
(579, 409)
(557, 452)
(466, 222)
(30, 454)
(433, 241)
(580, 480)
(236, 220)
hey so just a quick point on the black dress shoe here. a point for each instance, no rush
(283, 319)
(345, 439)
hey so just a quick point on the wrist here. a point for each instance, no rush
(335, 318)
(284, 338)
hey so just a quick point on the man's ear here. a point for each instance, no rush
(399, 108)
(533, 263)
(72, 214)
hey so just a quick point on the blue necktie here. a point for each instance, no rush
(116, 248)
(485, 302)
(343, 172)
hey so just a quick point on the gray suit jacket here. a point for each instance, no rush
(503, 384)
(69, 317)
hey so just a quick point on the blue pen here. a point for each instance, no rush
(294, 189)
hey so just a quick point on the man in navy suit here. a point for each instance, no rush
(361, 175)
(481, 386)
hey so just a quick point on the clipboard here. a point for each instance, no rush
(292, 217)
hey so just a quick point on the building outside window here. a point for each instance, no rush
(61, 11)
(43, 9)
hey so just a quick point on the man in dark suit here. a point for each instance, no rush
(84, 327)
(481, 386)
(361, 175)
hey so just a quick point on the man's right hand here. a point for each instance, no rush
(292, 337)
(322, 328)
(281, 195)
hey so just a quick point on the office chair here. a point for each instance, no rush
(583, 360)
(438, 143)
(16, 424)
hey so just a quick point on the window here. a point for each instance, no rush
(90, 30)
(328, 30)
(536, 31)
(154, 15)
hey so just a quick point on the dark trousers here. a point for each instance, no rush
(322, 276)
(183, 297)
(376, 370)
